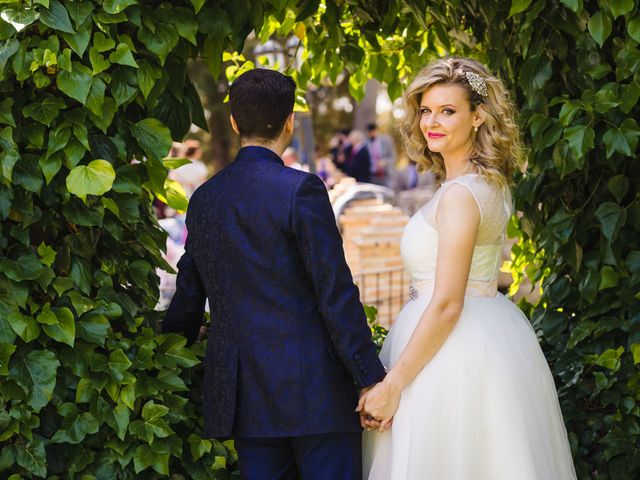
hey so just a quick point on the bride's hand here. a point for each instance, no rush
(366, 421)
(381, 402)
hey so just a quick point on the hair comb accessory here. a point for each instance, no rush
(477, 83)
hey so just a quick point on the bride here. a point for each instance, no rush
(469, 394)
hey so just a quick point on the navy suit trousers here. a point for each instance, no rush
(328, 456)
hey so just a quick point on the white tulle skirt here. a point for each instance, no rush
(484, 408)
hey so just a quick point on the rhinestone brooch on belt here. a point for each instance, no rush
(413, 292)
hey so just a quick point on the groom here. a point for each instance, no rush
(288, 340)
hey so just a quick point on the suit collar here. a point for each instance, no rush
(254, 152)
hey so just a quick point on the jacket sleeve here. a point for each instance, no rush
(320, 246)
(185, 313)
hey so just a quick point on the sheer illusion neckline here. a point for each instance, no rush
(460, 176)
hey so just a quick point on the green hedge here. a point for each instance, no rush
(92, 94)
(88, 389)
(578, 80)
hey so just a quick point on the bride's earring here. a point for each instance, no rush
(475, 129)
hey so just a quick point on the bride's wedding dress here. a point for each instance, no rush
(485, 407)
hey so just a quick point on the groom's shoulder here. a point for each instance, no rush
(297, 180)
(275, 181)
(281, 177)
(203, 187)
(293, 175)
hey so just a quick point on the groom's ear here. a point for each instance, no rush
(234, 125)
(289, 124)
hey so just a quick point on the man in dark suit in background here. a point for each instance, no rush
(357, 161)
(288, 340)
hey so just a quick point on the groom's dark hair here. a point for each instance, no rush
(261, 100)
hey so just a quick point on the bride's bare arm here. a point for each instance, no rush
(458, 218)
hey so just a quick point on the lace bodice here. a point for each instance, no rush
(419, 244)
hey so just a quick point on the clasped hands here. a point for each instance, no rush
(378, 405)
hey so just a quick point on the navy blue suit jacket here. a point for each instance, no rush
(288, 340)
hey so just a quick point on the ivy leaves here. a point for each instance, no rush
(123, 56)
(79, 12)
(76, 83)
(32, 457)
(600, 27)
(60, 326)
(536, 72)
(518, 6)
(56, 17)
(36, 374)
(24, 326)
(624, 139)
(44, 110)
(612, 218)
(26, 267)
(96, 178)
(81, 243)
(153, 137)
(117, 6)
(147, 75)
(155, 141)
(75, 426)
(621, 7)
(7, 50)
(91, 87)
(152, 424)
(581, 211)
(161, 41)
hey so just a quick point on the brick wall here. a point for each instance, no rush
(371, 231)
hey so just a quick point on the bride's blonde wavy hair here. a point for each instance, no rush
(497, 149)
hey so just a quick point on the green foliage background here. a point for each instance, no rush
(93, 92)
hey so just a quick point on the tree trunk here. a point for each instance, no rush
(365, 111)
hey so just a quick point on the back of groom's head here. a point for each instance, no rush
(261, 101)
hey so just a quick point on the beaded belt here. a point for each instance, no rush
(475, 288)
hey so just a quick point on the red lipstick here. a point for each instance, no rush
(435, 135)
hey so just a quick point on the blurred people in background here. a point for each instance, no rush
(326, 168)
(339, 147)
(408, 178)
(358, 164)
(382, 150)
(190, 177)
(291, 159)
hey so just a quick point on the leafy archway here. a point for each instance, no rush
(92, 92)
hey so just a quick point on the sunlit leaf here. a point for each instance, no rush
(95, 178)
(518, 6)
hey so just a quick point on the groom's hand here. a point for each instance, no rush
(381, 402)
(367, 421)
